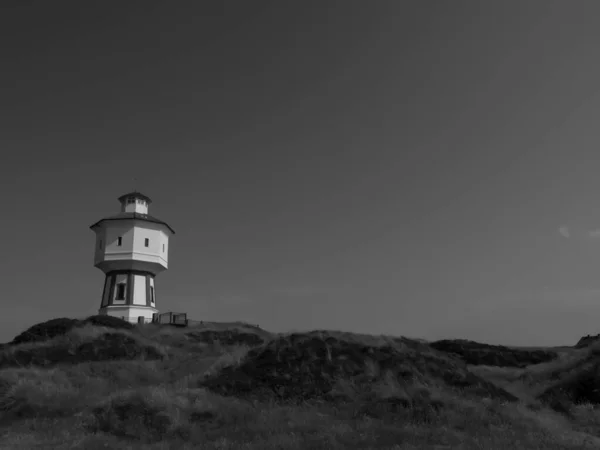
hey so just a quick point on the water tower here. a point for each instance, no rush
(132, 247)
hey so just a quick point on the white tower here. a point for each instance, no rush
(132, 247)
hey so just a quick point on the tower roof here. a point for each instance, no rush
(135, 194)
(133, 216)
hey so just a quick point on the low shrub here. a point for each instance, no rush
(307, 366)
(146, 414)
(226, 337)
(46, 330)
(50, 329)
(104, 347)
(29, 393)
(476, 353)
(109, 322)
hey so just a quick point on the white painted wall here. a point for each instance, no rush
(133, 248)
(114, 230)
(139, 290)
(143, 232)
(157, 234)
(130, 313)
(164, 245)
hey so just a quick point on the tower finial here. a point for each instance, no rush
(134, 184)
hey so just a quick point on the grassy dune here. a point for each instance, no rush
(215, 386)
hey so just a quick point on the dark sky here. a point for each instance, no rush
(427, 169)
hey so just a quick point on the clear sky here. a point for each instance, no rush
(427, 169)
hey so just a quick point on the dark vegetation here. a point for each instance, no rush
(107, 347)
(226, 337)
(577, 383)
(45, 330)
(58, 327)
(586, 341)
(67, 350)
(304, 367)
(476, 353)
(104, 383)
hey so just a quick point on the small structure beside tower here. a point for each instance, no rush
(132, 247)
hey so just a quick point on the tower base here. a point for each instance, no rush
(130, 313)
(129, 294)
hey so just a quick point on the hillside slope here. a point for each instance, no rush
(232, 386)
(476, 353)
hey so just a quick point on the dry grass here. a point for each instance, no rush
(157, 404)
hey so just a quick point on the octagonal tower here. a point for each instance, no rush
(132, 247)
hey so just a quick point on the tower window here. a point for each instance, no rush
(120, 292)
(119, 241)
(146, 242)
(152, 294)
(163, 248)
